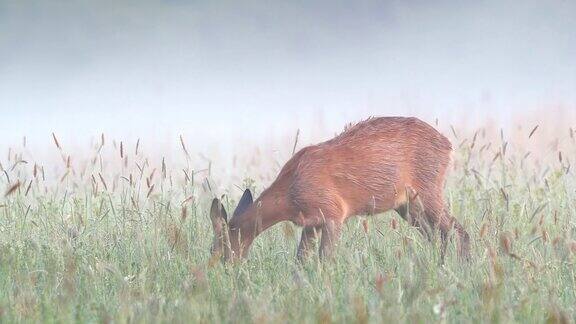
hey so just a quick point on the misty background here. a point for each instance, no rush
(232, 72)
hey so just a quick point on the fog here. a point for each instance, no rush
(224, 72)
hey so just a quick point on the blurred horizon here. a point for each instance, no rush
(228, 73)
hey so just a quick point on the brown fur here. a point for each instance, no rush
(374, 166)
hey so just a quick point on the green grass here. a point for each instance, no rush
(75, 250)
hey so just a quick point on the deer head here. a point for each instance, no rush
(230, 242)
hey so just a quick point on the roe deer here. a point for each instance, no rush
(374, 166)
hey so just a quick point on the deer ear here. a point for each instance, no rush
(244, 203)
(218, 215)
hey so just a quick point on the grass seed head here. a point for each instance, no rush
(12, 189)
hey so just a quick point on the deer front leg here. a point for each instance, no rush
(330, 236)
(310, 235)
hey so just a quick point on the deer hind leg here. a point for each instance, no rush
(413, 212)
(310, 235)
(442, 220)
(428, 213)
(448, 223)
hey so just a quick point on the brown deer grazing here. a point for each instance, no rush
(372, 167)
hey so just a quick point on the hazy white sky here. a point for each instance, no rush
(223, 70)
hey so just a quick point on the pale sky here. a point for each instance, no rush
(220, 71)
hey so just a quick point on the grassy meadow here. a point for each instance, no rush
(115, 235)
